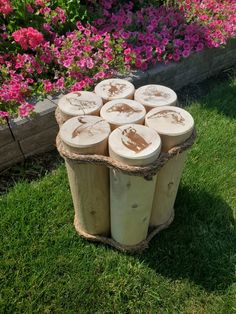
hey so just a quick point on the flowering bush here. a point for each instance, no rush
(5, 7)
(41, 52)
(157, 34)
(28, 37)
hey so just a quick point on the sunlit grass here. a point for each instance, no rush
(189, 268)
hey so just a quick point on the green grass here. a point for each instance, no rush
(189, 268)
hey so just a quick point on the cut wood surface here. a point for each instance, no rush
(79, 103)
(114, 89)
(132, 197)
(173, 124)
(86, 135)
(152, 96)
(134, 144)
(123, 111)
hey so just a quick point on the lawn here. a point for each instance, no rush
(189, 268)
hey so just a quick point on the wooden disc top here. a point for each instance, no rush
(123, 111)
(171, 121)
(84, 131)
(134, 144)
(153, 96)
(114, 89)
(80, 103)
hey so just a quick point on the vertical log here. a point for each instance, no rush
(132, 196)
(89, 184)
(174, 125)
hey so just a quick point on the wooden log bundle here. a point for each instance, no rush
(123, 176)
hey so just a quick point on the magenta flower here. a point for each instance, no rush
(4, 114)
(90, 63)
(185, 53)
(25, 109)
(5, 7)
(48, 86)
(28, 37)
(29, 8)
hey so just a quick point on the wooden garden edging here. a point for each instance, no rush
(27, 137)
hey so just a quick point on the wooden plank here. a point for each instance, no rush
(5, 135)
(23, 128)
(10, 154)
(40, 142)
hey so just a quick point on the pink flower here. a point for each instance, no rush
(79, 26)
(90, 63)
(60, 83)
(99, 75)
(47, 27)
(127, 59)
(186, 53)
(176, 57)
(29, 8)
(5, 7)
(61, 14)
(87, 32)
(78, 86)
(40, 3)
(200, 46)
(204, 17)
(174, 23)
(81, 63)
(25, 109)
(165, 42)
(28, 37)
(127, 51)
(48, 86)
(4, 114)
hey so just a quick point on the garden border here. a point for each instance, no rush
(25, 137)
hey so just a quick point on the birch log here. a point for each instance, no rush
(89, 184)
(131, 197)
(174, 125)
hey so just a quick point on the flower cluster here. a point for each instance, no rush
(5, 7)
(218, 17)
(28, 37)
(70, 62)
(47, 57)
(161, 34)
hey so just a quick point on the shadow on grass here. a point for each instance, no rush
(33, 168)
(200, 245)
(217, 92)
